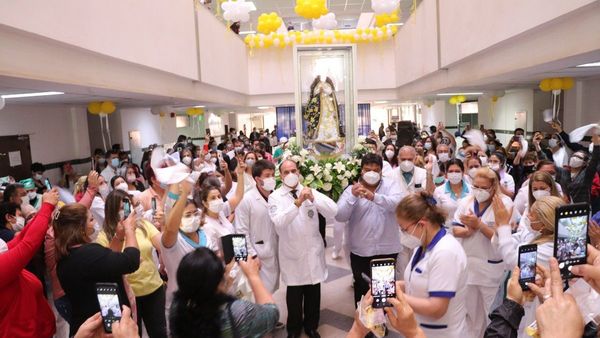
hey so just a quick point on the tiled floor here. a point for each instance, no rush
(337, 309)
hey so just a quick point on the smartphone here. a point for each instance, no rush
(153, 201)
(570, 239)
(383, 281)
(126, 208)
(110, 306)
(234, 247)
(527, 262)
(48, 184)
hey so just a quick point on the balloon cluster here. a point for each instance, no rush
(556, 84)
(97, 108)
(237, 11)
(194, 111)
(359, 35)
(311, 9)
(268, 23)
(326, 21)
(458, 99)
(386, 18)
(384, 6)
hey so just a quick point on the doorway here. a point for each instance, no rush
(15, 156)
(135, 146)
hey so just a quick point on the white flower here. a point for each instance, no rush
(328, 166)
(296, 158)
(361, 139)
(319, 175)
(309, 179)
(303, 152)
(344, 183)
(339, 166)
(328, 178)
(327, 187)
(292, 140)
(358, 147)
(315, 168)
(354, 172)
(348, 174)
(326, 171)
(287, 154)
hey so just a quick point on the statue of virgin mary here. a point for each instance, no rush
(322, 115)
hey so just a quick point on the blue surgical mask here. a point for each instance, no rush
(114, 162)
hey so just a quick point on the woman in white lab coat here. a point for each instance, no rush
(435, 279)
(474, 223)
(453, 190)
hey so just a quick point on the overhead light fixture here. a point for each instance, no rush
(396, 24)
(592, 64)
(199, 106)
(380, 102)
(16, 96)
(452, 94)
(247, 32)
(263, 107)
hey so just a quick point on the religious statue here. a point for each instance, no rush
(322, 115)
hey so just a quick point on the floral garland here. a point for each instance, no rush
(329, 176)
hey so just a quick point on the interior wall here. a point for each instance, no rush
(582, 104)
(506, 107)
(95, 131)
(56, 132)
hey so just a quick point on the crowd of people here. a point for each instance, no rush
(451, 214)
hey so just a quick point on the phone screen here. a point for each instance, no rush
(527, 262)
(110, 307)
(47, 183)
(153, 205)
(570, 247)
(383, 281)
(126, 208)
(240, 250)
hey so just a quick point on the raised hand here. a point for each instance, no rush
(92, 179)
(51, 196)
(501, 214)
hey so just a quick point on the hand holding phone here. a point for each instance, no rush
(570, 236)
(153, 202)
(110, 305)
(126, 208)
(527, 263)
(48, 184)
(383, 281)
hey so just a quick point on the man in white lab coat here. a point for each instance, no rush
(294, 211)
(252, 219)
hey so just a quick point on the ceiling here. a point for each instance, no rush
(346, 12)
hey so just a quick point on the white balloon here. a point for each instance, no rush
(237, 10)
(384, 6)
(286, 40)
(276, 42)
(326, 21)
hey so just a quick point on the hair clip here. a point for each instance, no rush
(431, 201)
(56, 214)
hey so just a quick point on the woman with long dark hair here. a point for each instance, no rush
(202, 308)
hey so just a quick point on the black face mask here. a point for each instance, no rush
(528, 169)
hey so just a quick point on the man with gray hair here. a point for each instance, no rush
(409, 177)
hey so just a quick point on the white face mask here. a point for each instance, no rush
(371, 177)
(216, 206)
(483, 160)
(190, 224)
(250, 162)
(576, 162)
(3, 247)
(19, 224)
(407, 166)
(122, 186)
(527, 223)
(213, 159)
(291, 180)
(389, 154)
(427, 145)
(537, 194)
(481, 195)
(552, 143)
(268, 183)
(455, 178)
(444, 157)
(472, 172)
(32, 195)
(494, 166)
(131, 178)
(104, 190)
(409, 240)
(187, 160)
(38, 177)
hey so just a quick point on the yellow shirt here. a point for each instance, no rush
(146, 278)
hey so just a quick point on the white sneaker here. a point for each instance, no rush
(335, 255)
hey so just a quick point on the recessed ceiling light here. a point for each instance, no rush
(263, 107)
(396, 24)
(452, 94)
(247, 32)
(380, 102)
(592, 64)
(199, 106)
(16, 96)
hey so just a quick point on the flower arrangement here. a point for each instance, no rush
(329, 176)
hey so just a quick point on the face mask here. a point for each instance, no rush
(491, 148)
(407, 166)
(575, 162)
(3, 247)
(122, 186)
(494, 166)
(371, 177)
(101, 160)
(291, 180)
(461, 154)
(527, 222)
(394, 137)
(537, 194)
(409, 240)
(552, 143)
(483, 160)
(114, 162)
(32, 195)
(104, 190)
(19, 224)
(249, 162)
(186, 160)
(444, 157)
(190, 224)
(472, 172)
(528, 169)
(268, 183)
(216, 206)
(238, 148)
(455, 178)
(389, 154)
(481, 195)
(38, 177)
(131, 178)
(427, 145)
(439, 180)
(213, 159)
(25, 200)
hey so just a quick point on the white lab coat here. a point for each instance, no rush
(417, 183)
(252, 219)
(301, 249)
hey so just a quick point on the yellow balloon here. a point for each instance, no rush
(556, 83)
(452, 100)
(461, 98)
(567, 83)
(107, 107)
(546, 85)
(94, 107)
